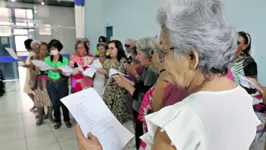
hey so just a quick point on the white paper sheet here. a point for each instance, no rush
(43, 66)
(89, 72)
(248, 84)
(113, 72)
(12, 53)
(39, 63)
(66, 69)
(92, 114)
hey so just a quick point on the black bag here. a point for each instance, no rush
(2, 85)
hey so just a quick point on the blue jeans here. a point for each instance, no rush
(56, 91)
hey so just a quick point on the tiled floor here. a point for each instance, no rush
(19, 132)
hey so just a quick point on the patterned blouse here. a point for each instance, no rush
(115, 96)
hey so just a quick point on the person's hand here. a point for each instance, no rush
(21, 59)
(26, 66)
(92, 143)
(132, 70)
(121, 81)
(100, 70)
(55, 70)
(37, 68)
(256, 82)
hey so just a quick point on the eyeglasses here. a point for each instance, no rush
(101, 49)
(127, 46)
(163, 52)
(112, 48)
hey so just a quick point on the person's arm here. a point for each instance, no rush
(162, 141)
(130, 89)
(103, 71)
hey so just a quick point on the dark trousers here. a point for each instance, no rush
(56, 91)
(138, 128)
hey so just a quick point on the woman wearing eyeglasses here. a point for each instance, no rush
(145, 50)
(80, 62)
(204, 45)
(115, 96)
(99, 79)
(245, 65)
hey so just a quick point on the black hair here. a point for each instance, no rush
(27, 44)
(44, 43)
(120, 49)
(105, 46)
(102, 39)
(84, 44)
(247, 39)
(55, 43)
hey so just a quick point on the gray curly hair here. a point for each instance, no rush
(34, 42)
(200, 25)
(147, 45)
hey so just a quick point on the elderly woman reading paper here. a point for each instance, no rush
(204, 44)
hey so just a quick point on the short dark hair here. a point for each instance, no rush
(55, 43)
(247, 39)
(120, 49)
(27, 44)
(100, 44)
(44, 43)
(84, 44)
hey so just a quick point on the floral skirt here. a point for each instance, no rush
(41, 98)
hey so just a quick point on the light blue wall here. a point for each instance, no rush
(136, 18)
(132, 18)
(94, 22)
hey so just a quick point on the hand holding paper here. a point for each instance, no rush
(113, 72)
(248, 83)
(12, 53)
(89, 72)
(42, 65)
(103, 124)
(66, 69)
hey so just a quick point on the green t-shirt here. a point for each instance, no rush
(62, 61)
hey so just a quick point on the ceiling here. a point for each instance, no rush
(62, 3)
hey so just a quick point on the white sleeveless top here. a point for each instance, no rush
(99, 80)
(207, 121)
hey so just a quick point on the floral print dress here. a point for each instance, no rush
(115, 96)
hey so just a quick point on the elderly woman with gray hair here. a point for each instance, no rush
(145, 50)
(204, 44)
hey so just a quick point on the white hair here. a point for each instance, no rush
(200, 25)
(147, 45)
(34, 42)
(131, 40)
